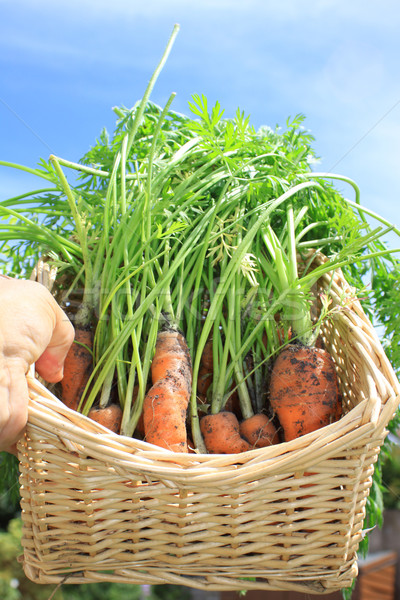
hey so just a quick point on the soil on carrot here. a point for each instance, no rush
(166, 403)
(304, 392)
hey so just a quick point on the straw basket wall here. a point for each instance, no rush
(101, 507)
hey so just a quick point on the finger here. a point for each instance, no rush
(13, 403)
(11, 450)
(50, 364)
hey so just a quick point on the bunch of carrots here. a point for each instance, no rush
(298, 388)
(184, 256)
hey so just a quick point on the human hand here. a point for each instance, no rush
(33, 329)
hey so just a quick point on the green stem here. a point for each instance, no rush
(140, 110)
(64, 246)
(244, 396)
(232, 267)
(85, 312)
(299, 309)
(35, 172)
(29, 199)
(335, 176)
(220, 379)
(82, 168)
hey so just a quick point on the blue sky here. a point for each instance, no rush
(64, 65)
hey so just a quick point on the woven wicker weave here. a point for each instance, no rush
(101, 507)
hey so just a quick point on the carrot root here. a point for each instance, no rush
(165, 404)
(303, 390)
(259, 431)
(221, 434)
(78, 366)
(110, 416)
(164, 416)
(171, 358)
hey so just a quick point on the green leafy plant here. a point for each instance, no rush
(13, 583)
(202, 187)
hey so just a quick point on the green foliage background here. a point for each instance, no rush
(14, 585)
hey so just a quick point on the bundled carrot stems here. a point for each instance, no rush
(185, 249)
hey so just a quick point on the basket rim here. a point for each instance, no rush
(81, 435)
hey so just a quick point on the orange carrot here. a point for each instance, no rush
(221, 434)
(78, 366)
(339, 408)
(172, 357)
(303, 390)
(259, 431)
(164, 415)
(110, 416)
(165, 404)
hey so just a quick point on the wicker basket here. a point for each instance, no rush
(101, 507)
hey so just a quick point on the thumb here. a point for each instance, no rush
(50, 364)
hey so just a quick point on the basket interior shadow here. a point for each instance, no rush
(101, 507)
